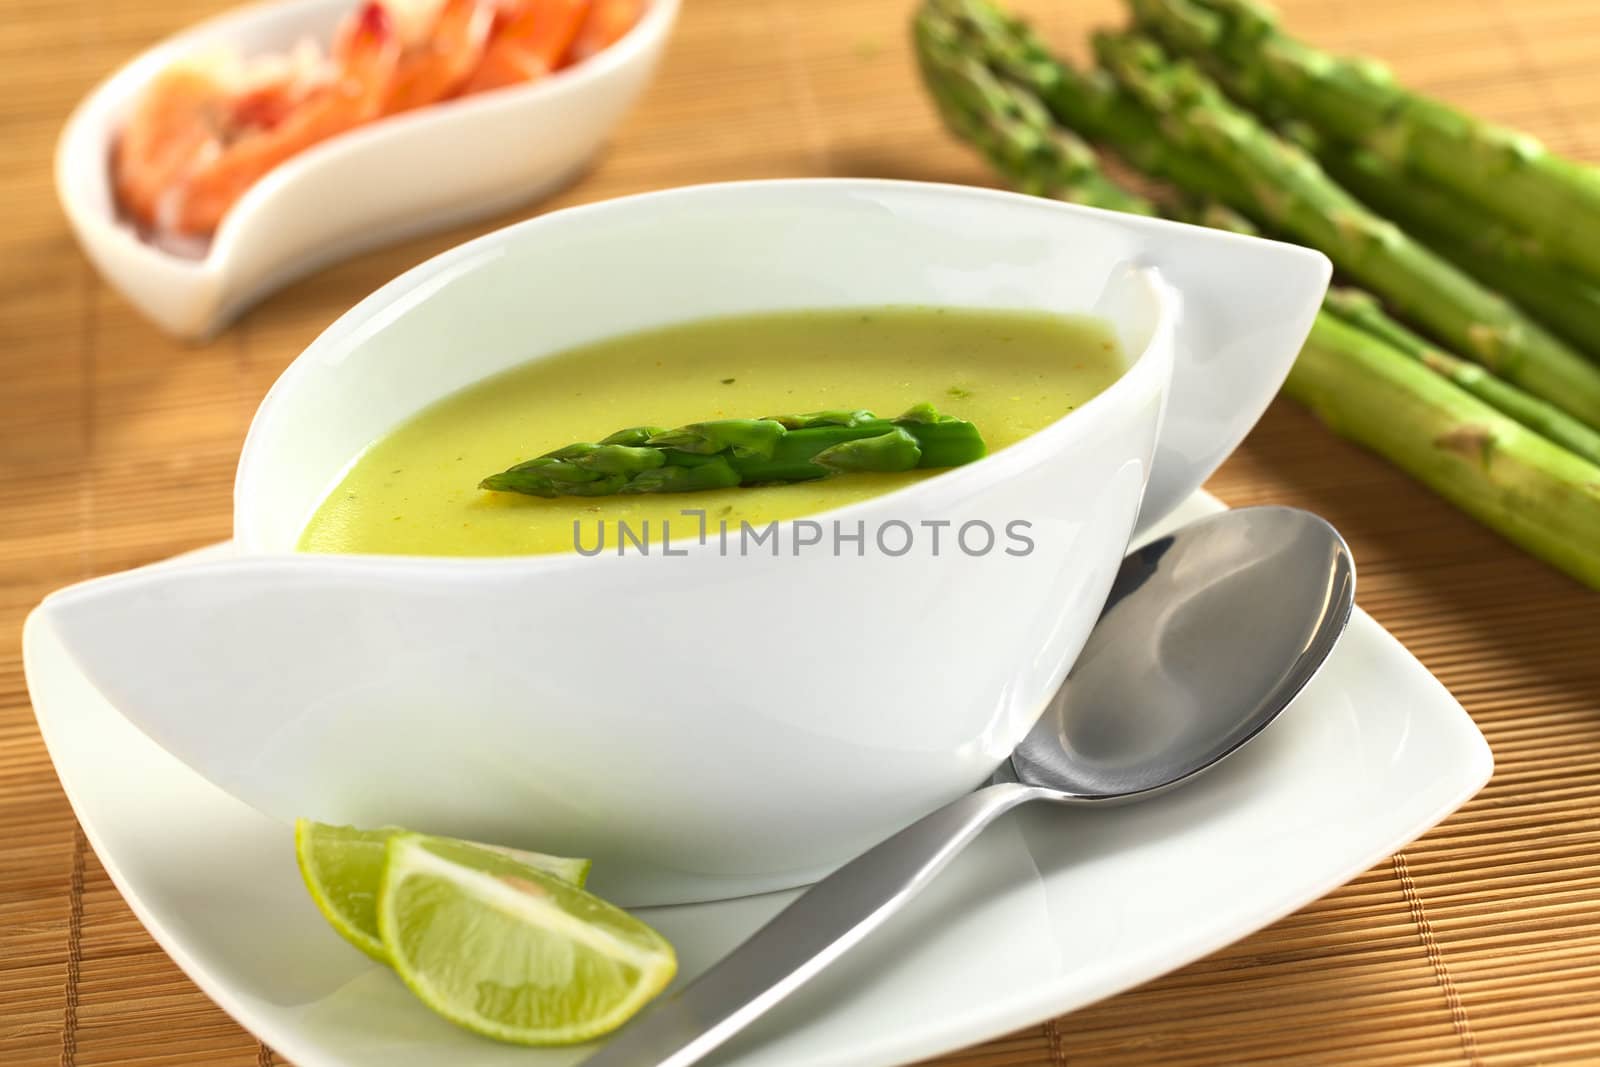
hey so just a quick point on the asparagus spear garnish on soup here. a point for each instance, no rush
(726, 453)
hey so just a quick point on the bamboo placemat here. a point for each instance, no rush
(1479, 944)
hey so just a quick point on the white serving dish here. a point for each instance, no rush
(1050, 910)
(409, 174)
(493, 699)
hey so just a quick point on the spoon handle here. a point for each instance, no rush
(828, 919)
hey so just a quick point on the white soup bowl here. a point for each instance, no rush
(708, 724)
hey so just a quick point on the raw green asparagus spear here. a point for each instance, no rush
(1362, 310)
(1091, 105)
(1276, 182)
(962, 27)
(991, 111)
(1094, 107)
(1543, 498)
(1011, 128)
(1497, 256)
(1554, 200)
(1563, 302)
(1536, 493)
(731, 452)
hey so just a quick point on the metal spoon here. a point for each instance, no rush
(1207, 635)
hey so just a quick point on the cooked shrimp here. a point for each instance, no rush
(608, 20)
(174, 121)
(365, 58)
(528, 44)
(207, 129)
(191, 107)
(437, 64)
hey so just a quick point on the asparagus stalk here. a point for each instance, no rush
(1011, 128)
(1535, 493)
(1554, 200)
(948, 69)
(1567, 305)
(1090, 104)
(1363, 311)
(1093, 106)
(1367, 387)
(730, 452)
(1497, 256)
(1278, 183)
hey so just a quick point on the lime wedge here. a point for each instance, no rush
(343, 866)
(510, 952)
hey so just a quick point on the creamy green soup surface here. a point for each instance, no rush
(415, 490)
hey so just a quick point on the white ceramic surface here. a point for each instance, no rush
(1049, 911)
(410, 174)
(482, 698)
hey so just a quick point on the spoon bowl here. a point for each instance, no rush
(1206, 637)
(371, 186)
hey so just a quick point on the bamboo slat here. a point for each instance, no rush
(1479, 945)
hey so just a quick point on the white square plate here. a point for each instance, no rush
(1049, 911)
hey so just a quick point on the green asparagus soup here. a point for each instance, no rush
(416, 492)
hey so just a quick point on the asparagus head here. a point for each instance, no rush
(1358, 101)
(1483, 444)
(726, 453)
(1275, 181)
